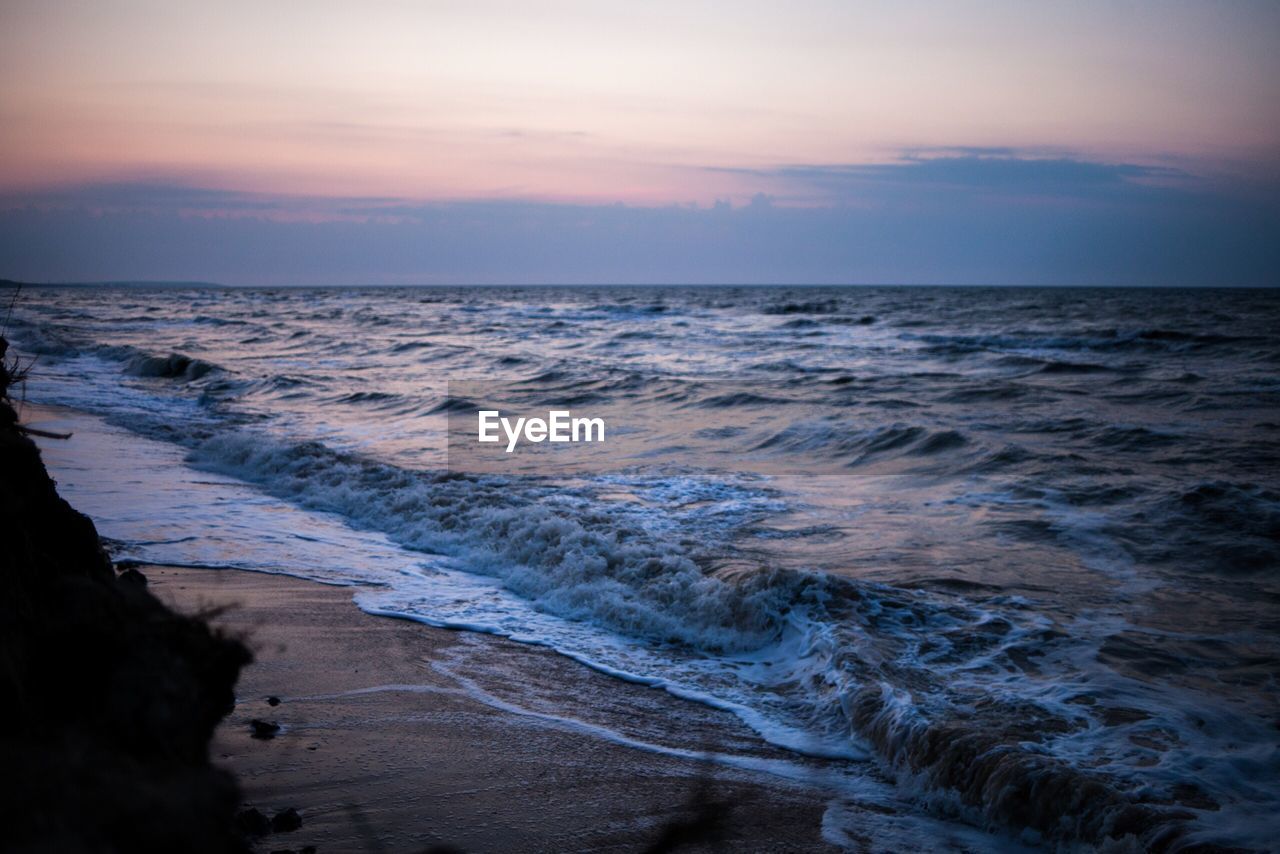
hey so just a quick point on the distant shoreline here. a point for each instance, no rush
(178, 285)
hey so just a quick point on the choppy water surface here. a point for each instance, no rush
(1056, 620)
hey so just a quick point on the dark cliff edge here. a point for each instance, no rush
(108, 699)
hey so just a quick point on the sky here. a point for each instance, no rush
(1093, 142)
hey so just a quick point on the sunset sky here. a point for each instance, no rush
(1100, 142)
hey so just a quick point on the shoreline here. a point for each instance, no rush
(551, 725)
(398, 736)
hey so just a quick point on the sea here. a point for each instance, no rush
(998, 567)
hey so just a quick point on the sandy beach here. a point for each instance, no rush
(396, 736)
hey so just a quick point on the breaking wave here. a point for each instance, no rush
(905, 673)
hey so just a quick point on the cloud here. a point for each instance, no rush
(159, 196)
(922, 175)
(956, 216)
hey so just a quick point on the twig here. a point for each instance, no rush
(46, 434)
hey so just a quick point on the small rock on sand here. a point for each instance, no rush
(252, 822)
(286, 821)
(263, 729)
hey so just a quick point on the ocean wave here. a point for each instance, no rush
(1220, 527)
(1133, 438)
(376, 397)
(174, 366)
(1054, 367)
(868, 659)
(452, 403)
(986, 392)
(1099, 340)
(410, 346)
(43, 339)
(854, 447)
(828, 306)
(585, 567)
(735, 399)
(996, 770)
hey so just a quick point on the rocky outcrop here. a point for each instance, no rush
(108, 699)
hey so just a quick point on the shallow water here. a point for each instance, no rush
(1010, 543)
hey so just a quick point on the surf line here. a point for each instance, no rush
(558, 426)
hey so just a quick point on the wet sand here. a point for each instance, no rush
(396, 736)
